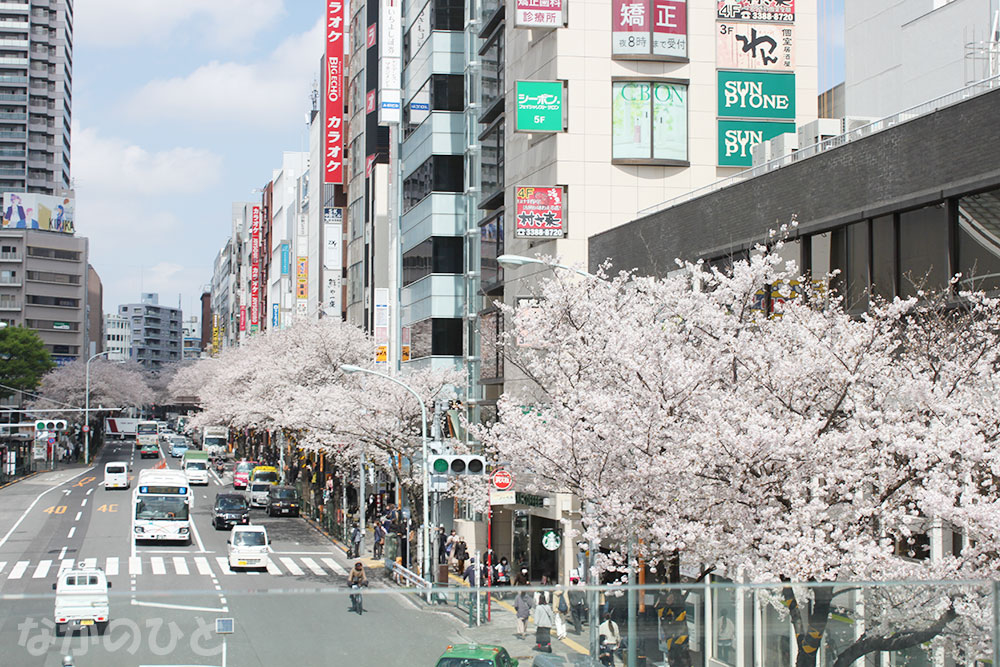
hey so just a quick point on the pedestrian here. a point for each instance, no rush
(522, 609)
(544, 619)
(577, 604)
(522, 577)
(356, 538)
(469, 574)
(502, 572)
(612, 635)
(461, 554)
(442, 543)
(560, 607)
(379, 540)
(449, 549)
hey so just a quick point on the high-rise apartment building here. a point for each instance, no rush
(36, 65)
(118, 337)
(157, 335)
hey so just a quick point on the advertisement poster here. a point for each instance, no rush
(539, 212)
(390, 61)
(539, 106)
(302, 278)
(649, 28)
(381, 326)
(255, 269)
(286, 259)
(771, 11)
(738, 137)
(538, 14)
(34, 211)
(756, 95)
(333, 258)
(243, 318)
(757, 46)
(333, 105)
(649, 121)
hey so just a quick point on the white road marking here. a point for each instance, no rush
(62, 553)
(84, 503)
(334, 565)
(197, 536)
(157, 565)
(272, 567)
(292, 568)
(78, 515)
(18, 571)
(72, 531)
(3, 564)
(311, 564)
(204, 568)
(111, 567)
(223, 564)
(90, 563)
(180, 565)
(66, 564)
(134, 565)
(163, 605)
(90, 491)
(33, 502)
(42, 570)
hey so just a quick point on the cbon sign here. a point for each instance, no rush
(641, 91)
(751, 95)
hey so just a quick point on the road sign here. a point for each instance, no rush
(85, 429)
(502, 480)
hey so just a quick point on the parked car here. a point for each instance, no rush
(247, 546)
(230, 510)
(476, 655)
(283, 500)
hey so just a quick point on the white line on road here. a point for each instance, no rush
(292, 568)
(197, 536)
(3, 564)
(156, 563)
(180, 565)
(272, 567)
(89, 491)
(78, 515)
(90, 563)
(66, 564)
(33, 502)
(42, 570)
(204, 568)
(311, 564)
(223, 564)
(62, 553)
(84, 503)
(18, 571)
(72, 531)
(334, 565)
(112, 566)
(164, 605)
(134, 565)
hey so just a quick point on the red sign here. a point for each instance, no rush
(502, 480)
(372, 35)
(243, 318)
(85, 428)
(333, 144)
(649, 27)
(255, 269)
(670, 28)
(539, 13)
(370, 105)
(539, 212)
(772, 11)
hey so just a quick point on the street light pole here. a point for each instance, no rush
(347, 368)
(521, 260)
(86, 409)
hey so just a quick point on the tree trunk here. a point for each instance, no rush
(896, 642)
(809, 625)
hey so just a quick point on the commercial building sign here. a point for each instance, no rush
(302, 278)
(381, 326)
(286, 259)
(275, 316)
(538, 14)
(243, 318)
(390, 62)
(738, 137)
(772, 11)
(756, 95)
(23, 210)
(649, 121)
(539, 212)
(645, 28)
(755, 46)
(539, 106)
(333, 258)
(255, 269)
(333, 106)
(215, 333)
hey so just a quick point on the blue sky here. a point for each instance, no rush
(181, 107)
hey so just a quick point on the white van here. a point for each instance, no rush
(116, 475)
(247, 546)
(81, 599)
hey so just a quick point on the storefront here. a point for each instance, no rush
(533, 531)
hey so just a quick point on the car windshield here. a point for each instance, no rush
(169, 508)
(178, 441)
(196, 465)
(260, 488)
(249, 539)
(231, 503)
(285, 494)
(245, 466)
(115, 469)
(464, 662)
(266, 477)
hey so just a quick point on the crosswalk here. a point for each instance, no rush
(187, 565)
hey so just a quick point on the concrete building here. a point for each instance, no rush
(156, 331)
(95, 312)
(118, 337)
(282, 225)
(36, 65)
(900, 53)
(191, 348)
(206, 318)
(222, 298)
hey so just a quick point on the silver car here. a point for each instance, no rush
(257, 494)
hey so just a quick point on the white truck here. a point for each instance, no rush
(215, 440)
(120, 427)
(81, 599)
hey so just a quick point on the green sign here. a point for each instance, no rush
(738, 137)
(757, 95)
(62, 326)
(539, 106)
(551, 540)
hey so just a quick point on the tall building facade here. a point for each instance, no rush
(36, 66)
(118, 337)
(157, 334)
(191, 348)
(95, 312)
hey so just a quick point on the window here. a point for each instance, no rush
(649, 122)
(49, 277)
(436, 336)
(61, 302)
(448, 14)
(493, 71)
(884, 256)
(979, 240)
(923, 249)
(54, 253)
(849, 253)
(441, 92)
(491, 328)
(491, 247)
(438, 254)
(492, 163)
(440, 173)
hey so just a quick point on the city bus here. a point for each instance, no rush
(161, 508)
(147, 433)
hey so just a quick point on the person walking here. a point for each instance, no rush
(560, 607)
(612, 635)
(442, 544)
(357, 537)
(577, 604)
(522, 609)
(544, 619)
(449, 549)
(461, 555)
(379, 540)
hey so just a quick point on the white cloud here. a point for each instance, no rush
(221, 24)
(116, 166)
(263, 94)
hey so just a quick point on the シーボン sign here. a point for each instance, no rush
(755, 46)
(756, 95)
(539, 212)
(771, 11)
(539, 106)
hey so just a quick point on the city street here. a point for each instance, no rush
(165, 599)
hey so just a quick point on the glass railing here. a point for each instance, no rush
(298, 610)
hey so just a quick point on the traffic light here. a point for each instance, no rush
(50, 425)
(458, 464)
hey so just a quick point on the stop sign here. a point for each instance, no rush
(502, 480)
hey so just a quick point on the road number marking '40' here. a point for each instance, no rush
(110, 507)
(55, 509)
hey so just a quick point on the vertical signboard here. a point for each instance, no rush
(215, 333)
(405, 351)
(381, 326)
(539, 106)
(286, 259)
(390, 62)
(538, 13)
(333, 140)
(275, 316)
(301, 287)
(756, 46)
(738, 137)
(255, 269)
(243, 318)
(333, 258)
(539, 212)
(649, 29)
(756, 95)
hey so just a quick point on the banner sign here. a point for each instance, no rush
(756, 95)
(381, 326)
(215, 333)
(35, 211)
(738, 137)
(771, 11)
(539, 106)
(539, 212)
(333, 258)
(302, 278)
(649, 28)
(275, 315)
(286, 259)
(390, 62)
(243, 318)
(333, 140)
(538, 14)
(757, 46)
(255, 269)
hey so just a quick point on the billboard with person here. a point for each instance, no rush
(22, 210)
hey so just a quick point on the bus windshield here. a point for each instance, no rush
(165, 508)
(147, 429)
(214, 441)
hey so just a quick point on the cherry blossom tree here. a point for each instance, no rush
(743, 422)
(112, 384)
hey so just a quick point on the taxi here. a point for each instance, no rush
(268, 474)
(241, 473)
(476, 655)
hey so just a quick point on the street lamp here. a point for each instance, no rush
(521, 260)
(348, 368)
(86, 409)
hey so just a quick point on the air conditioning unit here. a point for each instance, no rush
(819, 130)
(781, 145)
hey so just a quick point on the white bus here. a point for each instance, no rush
(161, 508)
(147, 433)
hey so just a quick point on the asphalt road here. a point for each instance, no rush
(165, 599)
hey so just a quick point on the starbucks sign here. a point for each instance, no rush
(551, 540)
